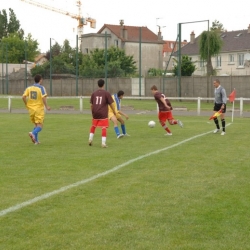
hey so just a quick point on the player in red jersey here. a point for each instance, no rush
(100, 100)
(165, 112)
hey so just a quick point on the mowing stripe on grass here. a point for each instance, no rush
(76, 184)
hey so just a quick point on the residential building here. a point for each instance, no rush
(131, 39)
(40, 59)
(13, 69)
(233, 59)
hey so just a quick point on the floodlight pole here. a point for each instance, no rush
(2, 68)
(207, 59)
(7, 71)
(179, 60)
(140, 33)
(50, 68)
(77, 65)
(106, 61)
(25, 44)
(179, 52)
(165, 71)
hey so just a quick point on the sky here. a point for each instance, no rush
(44, 24)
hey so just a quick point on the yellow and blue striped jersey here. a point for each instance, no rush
(35, 93)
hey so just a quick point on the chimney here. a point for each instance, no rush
(248, 29)
(192, 37)
(125, 33)
(159, 36)
(121, 28)
(159, 33)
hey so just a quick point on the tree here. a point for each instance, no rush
(55, 50)
(217, 26)
(187, 66)
(9, 26)
(15, 48)
(210, 45)
(63, 61)
(126, 63)
(119, 64)
(155, 72)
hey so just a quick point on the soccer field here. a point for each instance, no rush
(146, 191)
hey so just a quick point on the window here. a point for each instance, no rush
(116, 43)
(86, 50)
(171, 45)
(241, 60)
(231, 58)
(202, 63)
(218, 62)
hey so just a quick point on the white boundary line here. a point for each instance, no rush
(76, 184)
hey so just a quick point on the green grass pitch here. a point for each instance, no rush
(146, 191)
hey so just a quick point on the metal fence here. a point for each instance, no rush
(189, 86)
(198, 100)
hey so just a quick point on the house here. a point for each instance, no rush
(17, 71)
(40, 59)
(129, 39)
(233, 59)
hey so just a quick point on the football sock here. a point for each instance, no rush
(103, 140)
(91, 136)
(104, 135)
(123, 129)
(223, 123)
(216, 123)
(117, 130)
(36, 131)
(166, 128)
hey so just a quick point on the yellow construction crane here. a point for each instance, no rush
(81, 20)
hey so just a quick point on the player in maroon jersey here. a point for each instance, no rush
(165, 112)
(99, 101)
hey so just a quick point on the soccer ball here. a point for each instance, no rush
(151, 124)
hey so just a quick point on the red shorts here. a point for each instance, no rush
(165, 115)
(100, 123)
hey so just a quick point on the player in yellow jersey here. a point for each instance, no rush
(118, 117)
(35, 99)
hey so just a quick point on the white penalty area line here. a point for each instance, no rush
(76, 184)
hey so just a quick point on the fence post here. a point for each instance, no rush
(81, 107)
(9, 104)
(198, 106)
(241, 106)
